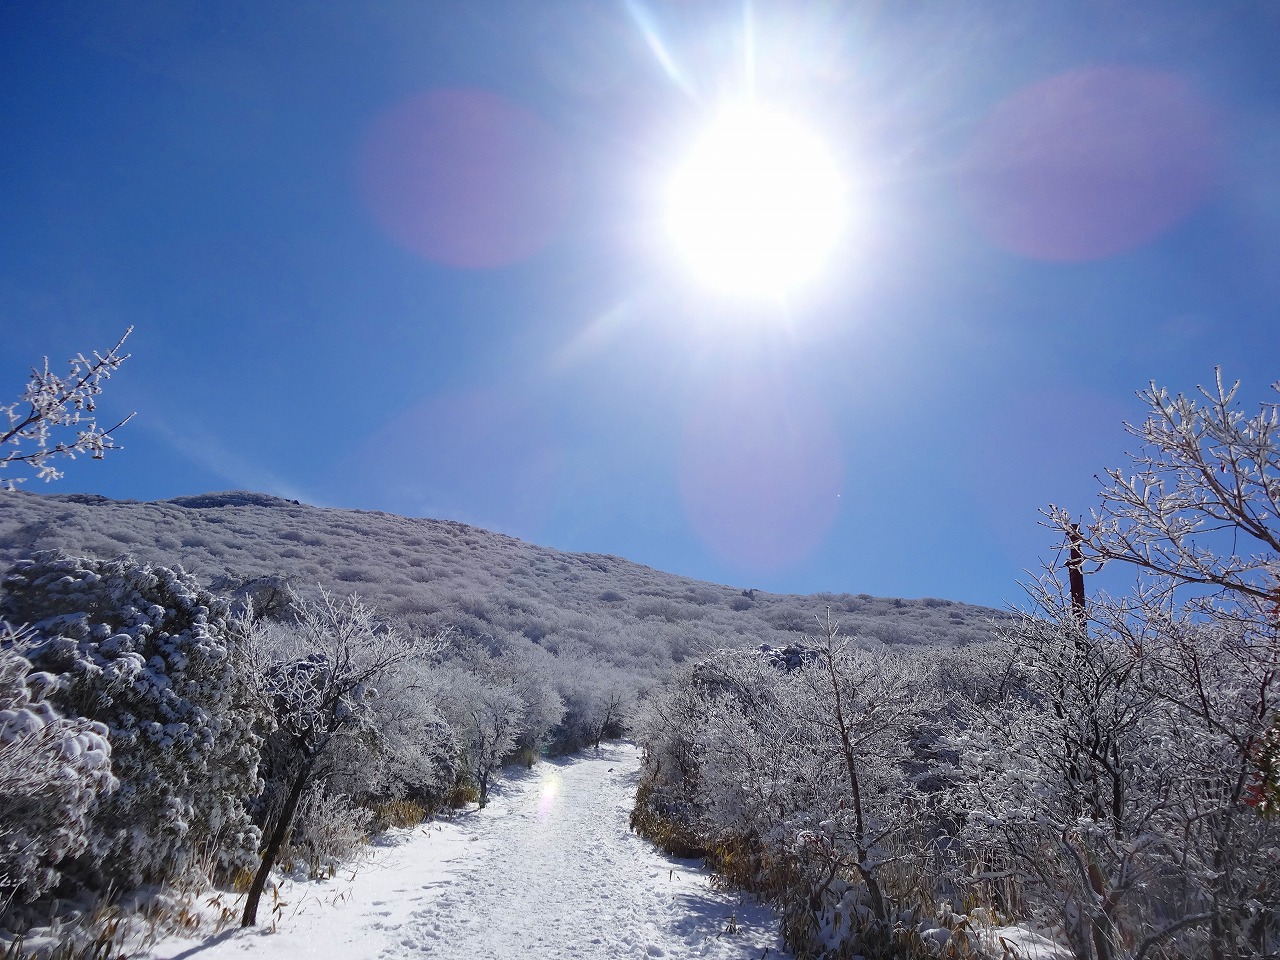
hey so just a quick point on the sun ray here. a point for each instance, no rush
(648, 28)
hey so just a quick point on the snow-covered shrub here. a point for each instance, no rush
(501, 696)
(408, 750)
(1060, 771)
(1119, 772)
(147, 653)
(52, 771)
(1106, 789)
(327, 830)
(529, 673)
(599, 702)
(668, 807)
(530, 670)
(359, 696)
(796, 770)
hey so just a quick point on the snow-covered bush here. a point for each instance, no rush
(502, 697)
(328, 830)
(148, 654)
(599, 702)
(388, 738)
(530, 674)
(408, 751)
(1105, 783)
(1061, 774)
(795, 769)
(52, 771)
(530, 670)
(668, 806)
(1195, 662)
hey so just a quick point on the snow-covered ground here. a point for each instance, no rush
(548, 870)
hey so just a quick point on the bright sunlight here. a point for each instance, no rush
(757, 205)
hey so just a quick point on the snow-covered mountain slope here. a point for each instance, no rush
(437, 573)
(549, 869)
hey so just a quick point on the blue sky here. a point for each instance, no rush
(409, 257)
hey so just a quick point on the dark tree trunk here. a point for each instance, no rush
(1075, 576)
(278, 835)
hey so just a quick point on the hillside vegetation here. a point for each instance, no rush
(436, 574)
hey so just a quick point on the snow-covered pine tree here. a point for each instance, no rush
(53, 769)
(151, 656)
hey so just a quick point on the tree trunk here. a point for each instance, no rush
(278, 835)
(855, 787)
(1075, 576)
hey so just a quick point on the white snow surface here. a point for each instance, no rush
(549, 870)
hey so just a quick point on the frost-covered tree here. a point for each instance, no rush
(410, 751)
(486, 714)
(1107, 778)
(867, 707)
(1220, 691)
(321, 679)
(145, 652)
(55, 417)
(1200, 503)
(1064, 772)
(1197, 515)
(607, 707)
(599, 701)
(530, 674)
(52, 771)
(541, 707)
(503, 699)
(1115, 777)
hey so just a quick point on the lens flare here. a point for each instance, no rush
(465, 178)
(1090, 163)
(761, 473)
(548, 794)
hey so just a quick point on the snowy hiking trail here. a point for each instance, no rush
(548, 870)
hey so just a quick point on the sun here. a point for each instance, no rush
(757, 205)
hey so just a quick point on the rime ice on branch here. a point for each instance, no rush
(55, 416)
